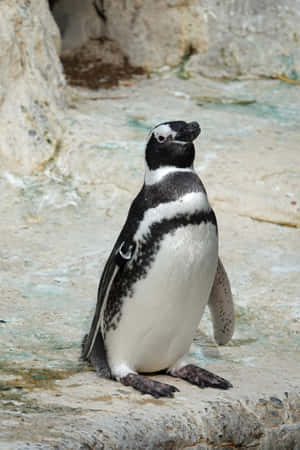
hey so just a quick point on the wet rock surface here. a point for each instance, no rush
(58, 226)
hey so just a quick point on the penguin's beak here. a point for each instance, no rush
(189, 132)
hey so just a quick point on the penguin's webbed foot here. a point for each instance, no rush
(201, 377)
(147, 386)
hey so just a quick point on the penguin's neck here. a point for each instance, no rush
(156, 175)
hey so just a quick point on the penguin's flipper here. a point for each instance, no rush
(93, 348)
(221, 306)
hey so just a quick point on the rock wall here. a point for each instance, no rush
(228, 39)
(250, 38)
(153, 34)
(78, 22)
(31, 85)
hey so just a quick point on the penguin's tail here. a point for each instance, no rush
(83, 348)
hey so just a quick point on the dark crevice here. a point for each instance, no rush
(96, 62)
(100, 10)
(52, 3)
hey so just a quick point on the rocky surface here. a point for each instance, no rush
(250, 39)
(31, 85)
(215, 39)
(139, 30)
(78, 22)
(144, 33)
(229, 39)
(61, 224)
(71, 163)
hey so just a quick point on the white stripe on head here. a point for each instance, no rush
(186, 205)
(162, 130)
(155, 176)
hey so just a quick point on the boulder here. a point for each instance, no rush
(78, 21)
(250, 39)
(228, 39)
(150, 34)
(31, 85)
(153, 34)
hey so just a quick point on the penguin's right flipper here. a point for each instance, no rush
(221, 306)
(93, 346)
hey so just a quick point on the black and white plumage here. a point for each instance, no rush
(161, 274)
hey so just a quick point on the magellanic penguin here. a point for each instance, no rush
(161, 274)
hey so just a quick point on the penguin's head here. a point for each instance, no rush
(171, 144)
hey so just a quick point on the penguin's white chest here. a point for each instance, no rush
(159, 320)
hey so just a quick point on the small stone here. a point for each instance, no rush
(276, 402)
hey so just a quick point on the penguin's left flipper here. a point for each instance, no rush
(201, 377)
(221, 306)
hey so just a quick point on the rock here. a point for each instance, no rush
(59, 230)
(59, 225)
(226, 39)
(250, 39)
(143, 30)
(78, 22)
(31, 86)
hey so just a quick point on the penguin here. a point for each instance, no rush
(163, 271)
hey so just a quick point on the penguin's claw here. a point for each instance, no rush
(147, 386)
(201, 377)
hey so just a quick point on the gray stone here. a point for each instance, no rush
(228, 39)
(153, 34)
(252, 38)
(140, 29)
(78, 23)
(31, 85)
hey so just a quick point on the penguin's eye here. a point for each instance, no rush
(163, 133)
(162, 138)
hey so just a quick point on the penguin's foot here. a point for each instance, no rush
(147, 386)
(201, 377)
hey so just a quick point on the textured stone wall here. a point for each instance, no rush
(31, 85)
(150, 34)
(155, 33)
(78, 22)
(250, 38)
(230, 38)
